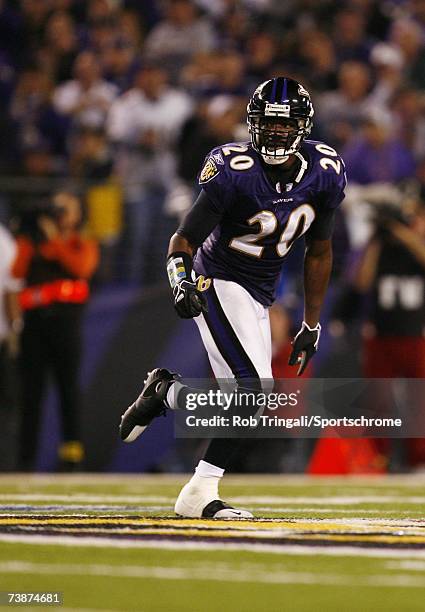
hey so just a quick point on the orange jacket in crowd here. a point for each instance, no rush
(56, 270)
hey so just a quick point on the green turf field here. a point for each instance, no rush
(113, 543)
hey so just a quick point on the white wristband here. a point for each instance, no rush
(317, 329)
(176, 271)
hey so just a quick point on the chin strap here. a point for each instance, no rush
(272, 161)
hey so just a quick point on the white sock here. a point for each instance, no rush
(205, 480)
(208, 470)
(201, 489)
(172, 394)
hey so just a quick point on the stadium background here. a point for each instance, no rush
(133, 157)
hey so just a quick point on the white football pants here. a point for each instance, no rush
(236, 332)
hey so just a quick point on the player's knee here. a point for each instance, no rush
(252, 395)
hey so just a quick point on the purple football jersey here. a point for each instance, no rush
(260, 220)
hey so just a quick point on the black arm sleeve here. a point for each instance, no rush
(323, 225)
(200, 220)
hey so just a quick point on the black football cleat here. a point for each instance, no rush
(148, 405)
(218, 509)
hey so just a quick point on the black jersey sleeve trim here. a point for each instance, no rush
(200, 221)
(323, 225)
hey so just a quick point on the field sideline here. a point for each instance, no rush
(111, 542)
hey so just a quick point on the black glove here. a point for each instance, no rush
(304, 345)
(189, 302)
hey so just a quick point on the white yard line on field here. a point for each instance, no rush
(241, 499)
(220, 575)
(281, 549)
(168, 508)
(406, 564)
(71, 508)
(89, 498)
(331, 499)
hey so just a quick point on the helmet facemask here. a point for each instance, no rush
(277, 137)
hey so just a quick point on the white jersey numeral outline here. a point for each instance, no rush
(234, 149)
(326, 162)
(238, 162)
(293, 230)
(246, 243)
(268, 223)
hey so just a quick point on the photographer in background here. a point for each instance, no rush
(392, 272)
(55, 262)
(393, 267)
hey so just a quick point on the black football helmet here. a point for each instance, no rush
(279, 118)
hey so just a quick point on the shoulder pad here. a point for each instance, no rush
(217, 162)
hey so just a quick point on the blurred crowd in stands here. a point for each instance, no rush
(118, 102)
(123, 98)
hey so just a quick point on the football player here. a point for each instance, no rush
(225, 260)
